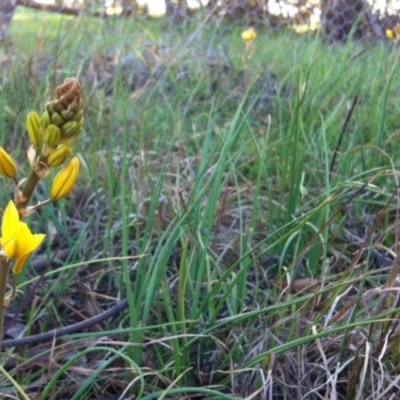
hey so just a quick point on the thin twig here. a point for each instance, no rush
(80, 326)
(342, 131)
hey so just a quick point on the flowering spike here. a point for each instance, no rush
(65, 180)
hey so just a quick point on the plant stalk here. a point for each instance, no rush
(30, 184)
(4, 269)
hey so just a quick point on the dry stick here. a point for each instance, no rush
(49, 336)
(344, 126)
(4, 267)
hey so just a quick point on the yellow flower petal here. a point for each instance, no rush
(17, 241)
(9, 246)
(10, 219)
(17, 267)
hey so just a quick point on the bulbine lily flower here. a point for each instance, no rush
(17, 240)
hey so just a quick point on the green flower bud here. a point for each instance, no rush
(52, 136)
(77, 116)
(34, 128)
(68, 127)
(66, 114)
(70, 130)
(50, 107)
(59, 156)
(57, 119)
(45, 121)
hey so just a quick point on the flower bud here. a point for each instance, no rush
(70, 130)
(69, 94)
(67, 107)
(64, 180)
(34, 128)
(52, 135)
(59, 156)
(57, 119)
(50, 107)
(68, 127)
(77, 116)
(45, 121)
(8, 167)
(67, 114)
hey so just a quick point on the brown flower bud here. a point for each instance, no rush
(66, 107)
(69, 95)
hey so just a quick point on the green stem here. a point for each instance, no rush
(31, 184)
(14, 383)
(4, 268)
(28, 189)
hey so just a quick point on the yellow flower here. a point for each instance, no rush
(389, 34)
(65, 180)
(249, 35)
(8, 167)
(17, 240)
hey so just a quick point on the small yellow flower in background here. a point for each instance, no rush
(8, 167)
(393, 34)
(65, 180)
(249, 35)
(389, 34)
(17, 241)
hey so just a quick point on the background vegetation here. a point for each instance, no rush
(238, 203)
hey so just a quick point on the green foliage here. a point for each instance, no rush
(205, 213)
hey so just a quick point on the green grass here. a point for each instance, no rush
(210, 217)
